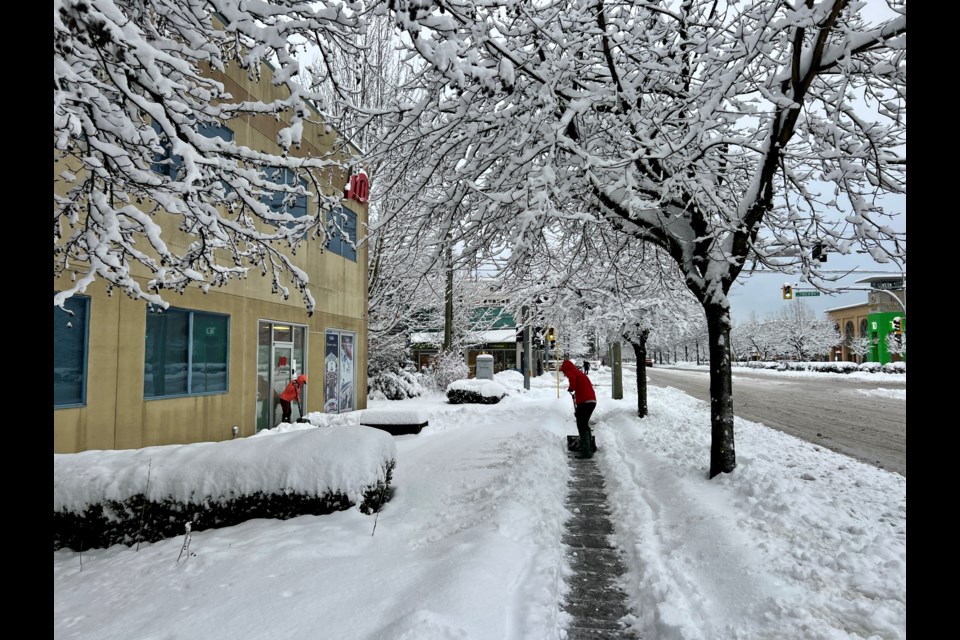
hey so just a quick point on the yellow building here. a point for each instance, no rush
(210, 367)
(871, 322)
(852, 322)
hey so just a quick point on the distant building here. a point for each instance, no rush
(492, 331)
(881, 315)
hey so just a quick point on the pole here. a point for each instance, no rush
(556, 358)
(527, 360)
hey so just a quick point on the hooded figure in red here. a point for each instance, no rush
(292, 392)
(584, 401)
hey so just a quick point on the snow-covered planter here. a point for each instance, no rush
(895, 367)
(473, 391)
(102, 498)
(870, 367)
(394, 421)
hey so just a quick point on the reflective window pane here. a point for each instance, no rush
(69, 352)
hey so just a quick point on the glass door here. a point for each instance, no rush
(282, 375)
(281, 351)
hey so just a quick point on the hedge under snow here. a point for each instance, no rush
(104, 497)
(475, 391)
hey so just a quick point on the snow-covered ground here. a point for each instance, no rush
(797, 543)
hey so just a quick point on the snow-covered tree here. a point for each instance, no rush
(356, 85)
(860, 345)
(803, 333)
(593, 282)
(897, 344)
(141, 83)
(758, 337)
(720, 131)
(446, 367)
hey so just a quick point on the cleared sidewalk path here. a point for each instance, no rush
(595, 601)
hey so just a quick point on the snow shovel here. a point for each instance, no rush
(573, 442)
(301, 419)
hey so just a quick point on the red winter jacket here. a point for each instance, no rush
(579, 383)
(292, 392)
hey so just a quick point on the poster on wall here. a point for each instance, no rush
(346, 372)
(331, 377)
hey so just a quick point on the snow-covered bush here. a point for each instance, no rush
(895, 367)
(398, 384)
(833, 367)
(760, 364)
(870, 367)
(448, 366)
(102, 498)
(475, 391)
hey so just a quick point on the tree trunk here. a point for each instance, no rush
(640, 351)
(723, 458)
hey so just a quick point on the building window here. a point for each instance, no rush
(284, 201)
(342, 230)
(168, 164)
(186, 353)
(70, 352)
(215, 130)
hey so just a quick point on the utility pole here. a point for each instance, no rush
(448, 301)
(527, 359)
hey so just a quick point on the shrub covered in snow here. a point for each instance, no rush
(448, 366)
(475, 391)
(759, 364)
(102, 498)
(826, 367)
(895, 367)
(833, 367)
(398, 384)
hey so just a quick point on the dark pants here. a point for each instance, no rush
(286, 410)
(583, 413)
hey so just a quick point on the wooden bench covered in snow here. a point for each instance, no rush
(394, 421)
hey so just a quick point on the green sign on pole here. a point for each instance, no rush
(800, 294)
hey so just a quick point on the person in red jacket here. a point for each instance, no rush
(292, 392)
(584, 401)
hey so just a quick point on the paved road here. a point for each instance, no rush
(864, 419)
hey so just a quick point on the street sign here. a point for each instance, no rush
(800, 294)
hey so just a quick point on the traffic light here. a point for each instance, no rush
(897, 324)
(787, 292)
(818, 253)
(552, 337)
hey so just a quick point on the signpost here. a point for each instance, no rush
(801, 294)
